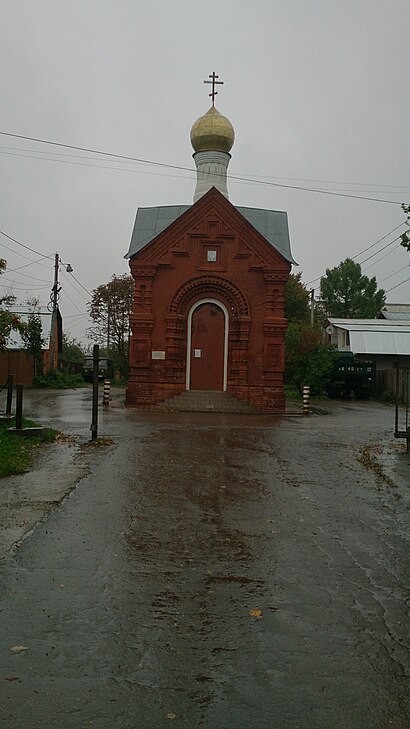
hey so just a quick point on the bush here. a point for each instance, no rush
(386, 396)
(59, 380)
(308, 360)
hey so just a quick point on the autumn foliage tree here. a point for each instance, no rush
(110, 309)
(8, 320)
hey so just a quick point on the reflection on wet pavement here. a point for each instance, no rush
(217, 572)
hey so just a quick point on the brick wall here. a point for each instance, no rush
(248, 277)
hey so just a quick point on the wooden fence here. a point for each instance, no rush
(20, 364)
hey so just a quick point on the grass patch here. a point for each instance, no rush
(17, 453)
(59, 380)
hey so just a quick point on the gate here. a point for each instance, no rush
(402, 413)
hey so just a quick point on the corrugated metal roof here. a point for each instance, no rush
(396, 315)
(374, 324)
(376, 336)
(23, 312)
(150, 222)
(395, 308)
(377, 342)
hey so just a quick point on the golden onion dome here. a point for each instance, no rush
(212, 132)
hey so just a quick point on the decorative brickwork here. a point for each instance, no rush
(209, 253)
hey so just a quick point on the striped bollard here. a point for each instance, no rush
(306, 399)
(106, 394)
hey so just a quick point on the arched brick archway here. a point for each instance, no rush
(230, 297)
(203, 286)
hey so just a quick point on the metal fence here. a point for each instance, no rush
(402, 414)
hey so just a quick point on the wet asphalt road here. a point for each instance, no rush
(135, 600)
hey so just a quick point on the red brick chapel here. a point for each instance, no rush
(209, 288)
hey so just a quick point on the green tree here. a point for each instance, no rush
(346, 292)
(296, 300)
(110, 309)
(72, 350)
(405, 238)
(308, 360)
(8, 320)
(32, 336)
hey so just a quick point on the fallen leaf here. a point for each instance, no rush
(171, 715)
(18, 648)
(11, 678)
(255, 613)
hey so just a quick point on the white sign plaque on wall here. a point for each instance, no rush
(157, 355)
(211, 256)
(197, 353)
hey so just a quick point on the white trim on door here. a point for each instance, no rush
(188, 343)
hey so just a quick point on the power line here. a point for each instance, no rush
(39, 156)
(17, 253)
(24, 288)
(380, 250)
(396, 248)
(75, 305)
(80, 284)
(392, 274)
(357, 255)
(26, 275)
(43, 255)
(77, 291)
(105, 167)
(403, 188)
(326, 182)
(313, 280)
(397, 285)
(188, 169)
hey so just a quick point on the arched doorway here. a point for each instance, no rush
(207, 346)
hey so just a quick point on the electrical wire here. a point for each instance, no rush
(80, 284)
(247, 175)
(392, 274)
(357, 255)
(24, 288)
(17, 253)
(380, 250)
(43, 255)
(72, 302)
(105, 167)
(26, 275)
(313, 280)
(239, 180)
(396, 248)
(188, 169)
(397, 285)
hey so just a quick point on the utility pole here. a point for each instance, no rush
(54, 302)
(312, 307)
(54, 307)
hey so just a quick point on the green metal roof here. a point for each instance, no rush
(150, 222)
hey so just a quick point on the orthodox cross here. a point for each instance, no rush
(214, 82)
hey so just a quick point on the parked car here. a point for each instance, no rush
(105, 369)
(351, 377)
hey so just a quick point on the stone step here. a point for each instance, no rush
(206, 401)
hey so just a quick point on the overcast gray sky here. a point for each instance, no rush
(318, 92)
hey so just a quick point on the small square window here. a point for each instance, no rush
(211, 256)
